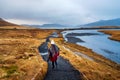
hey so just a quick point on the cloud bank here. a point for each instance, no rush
(69, 12)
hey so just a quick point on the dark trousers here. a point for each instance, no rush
(54, 63)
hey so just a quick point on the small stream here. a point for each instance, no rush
(96, 41)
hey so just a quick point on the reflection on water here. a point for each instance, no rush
(98, 43)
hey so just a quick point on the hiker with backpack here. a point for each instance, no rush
(53, 53)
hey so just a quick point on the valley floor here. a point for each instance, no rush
(20, 59)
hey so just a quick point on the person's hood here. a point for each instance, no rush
(52, 42)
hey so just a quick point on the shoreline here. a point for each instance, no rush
(104, 31)
(89, 66)
(75, 40)
(114, 34)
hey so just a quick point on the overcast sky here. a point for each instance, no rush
(70, 12)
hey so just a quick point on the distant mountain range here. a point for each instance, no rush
(112, 22)
(46, 25)
(53, 25)
(5, 23)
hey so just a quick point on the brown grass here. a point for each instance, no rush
(20, 59)
(115, 34)
(25, 33)
(5, 23)
(19, 56)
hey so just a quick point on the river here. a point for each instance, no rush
(97, 41)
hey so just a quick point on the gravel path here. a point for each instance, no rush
(63, 71)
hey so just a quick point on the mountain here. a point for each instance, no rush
(5, 23)
(112, 22)
(46, 25)
(52, 25)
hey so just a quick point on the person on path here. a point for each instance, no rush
(53, 53)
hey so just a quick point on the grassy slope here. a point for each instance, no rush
(5, 23)
(19, 56)
(99, 69)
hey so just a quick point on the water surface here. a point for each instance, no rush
(98, 43)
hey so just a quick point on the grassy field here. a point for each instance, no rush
(99, 68)
(20, 59)
(19, 56)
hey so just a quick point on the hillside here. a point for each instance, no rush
(46, 25)
(52, 25)
(113, 23)
(5, 23)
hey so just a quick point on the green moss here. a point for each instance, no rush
(10, 70)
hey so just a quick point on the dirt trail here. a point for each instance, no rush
(63, 71)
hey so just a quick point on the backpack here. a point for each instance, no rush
(50, 52)
(53, 53)
(55, 49)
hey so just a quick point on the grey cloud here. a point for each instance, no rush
(59, 11)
